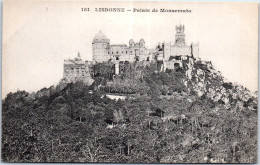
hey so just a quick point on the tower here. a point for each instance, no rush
(142, 43)
(100, 51)
(131, 43)
(180, 36)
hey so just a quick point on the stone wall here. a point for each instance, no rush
(76, 70)
(100, 52)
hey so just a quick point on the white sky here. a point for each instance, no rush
(39, 35)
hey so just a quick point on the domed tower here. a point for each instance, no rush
(142, 43)
(131, 43)
(100, 48)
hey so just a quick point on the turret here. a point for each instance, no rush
(142, 43)
(131, 43)
(180, 36)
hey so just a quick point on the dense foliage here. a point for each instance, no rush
(140, 79)
(162, 123)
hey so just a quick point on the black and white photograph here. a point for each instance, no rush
(129, 82)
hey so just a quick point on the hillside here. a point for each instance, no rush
(186, 115)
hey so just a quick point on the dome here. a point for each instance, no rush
(131, 41)
(141, 40)
(100, 37)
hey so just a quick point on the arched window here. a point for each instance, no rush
(176, 65)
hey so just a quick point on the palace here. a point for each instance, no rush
(174, 55)
(179, 48)
(171, 56)
(76, 70)
(103, 51)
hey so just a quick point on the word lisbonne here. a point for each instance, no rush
(109, 9)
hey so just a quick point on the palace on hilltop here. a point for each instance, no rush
(171, 56)
(103, 51)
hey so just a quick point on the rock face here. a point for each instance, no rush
(205, 80)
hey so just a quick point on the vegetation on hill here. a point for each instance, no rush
(165, 122)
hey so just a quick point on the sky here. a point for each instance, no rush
(39, 35)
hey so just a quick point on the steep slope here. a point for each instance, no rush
(188, 115)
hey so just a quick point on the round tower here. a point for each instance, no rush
(100, 47)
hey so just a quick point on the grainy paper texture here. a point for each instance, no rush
(163, 82)
(38, 35)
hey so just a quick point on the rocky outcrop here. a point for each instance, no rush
(205, 80)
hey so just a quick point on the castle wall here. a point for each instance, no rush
(144, 54)
(195, 51)
(173, 50)
(160, 56)
(76, 70)
(183, 50)
(167, 50)
(121, 53)
(173, 64)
